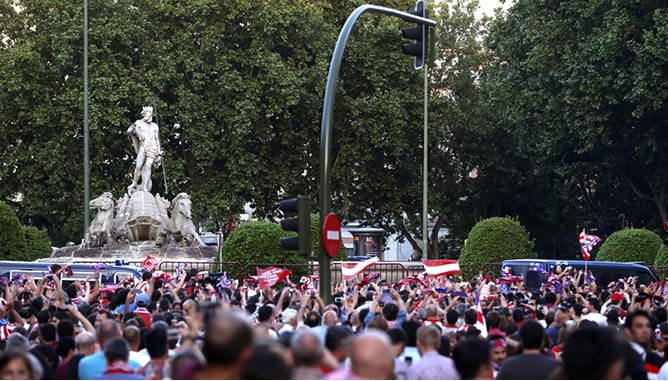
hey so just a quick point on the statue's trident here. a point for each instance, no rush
(154, 102)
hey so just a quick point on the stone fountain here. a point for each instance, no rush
(139, 223)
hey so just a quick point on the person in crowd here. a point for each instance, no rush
(94, 365)
(157, 346)
(132, 335)
(497, 344)
(306, 354)
(531, 363)
(117, 355)
(592, 354)
(431, 365)
(337, 342)
(473, 359)
(228, 340)
(639, 330)
(266, 363)
(16, 365)
(398, 339)
(371, 357)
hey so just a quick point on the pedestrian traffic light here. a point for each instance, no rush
(300, 224)
(417, 33)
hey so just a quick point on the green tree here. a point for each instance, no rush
(37, 244)
(12, 239)
(494, 240)
(631, 245)
(573, 85)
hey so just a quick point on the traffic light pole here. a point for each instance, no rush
(326, 128)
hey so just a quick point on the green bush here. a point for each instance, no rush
(37, 244)
(661, 257)
(12, 239)
(630, 245)
(492, 241)
(260, 242)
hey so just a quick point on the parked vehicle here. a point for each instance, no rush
(111, 274)
(536, 271)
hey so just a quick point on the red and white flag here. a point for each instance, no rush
(480, 323)
(587, 243)
(438, 267)
(352, 269)
(270, 276)
(150, 263)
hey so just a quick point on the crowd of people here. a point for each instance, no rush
(192, 326)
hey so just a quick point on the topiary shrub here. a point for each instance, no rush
(630, 245)
(37, 244)
(260, 242)
(492, 241)
(12, 240)
(661, 257)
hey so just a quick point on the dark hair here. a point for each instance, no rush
(43, 317)
(65, 328)
(411, 327)
(531, 334)
(452, 316)
(397, 335)
(628, 323)
(47, 331)
(71, 290)
(588, 353)
(337, 336)
(391, 311)
(65, 345)
(155, 341)
(493, 319)
(265, 313)
(72, 370)
(116, 349)
(273, 366)
(470, 316)
(312, 319)
(469, 355)
(48, 353)
(444, 349)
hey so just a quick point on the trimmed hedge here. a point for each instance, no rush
(260, 242)
(662, 257)
(631, 245)
(494, 240)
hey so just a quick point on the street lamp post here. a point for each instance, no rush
(86, 161)
(326, 127)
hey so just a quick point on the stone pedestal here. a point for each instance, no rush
(144, 221)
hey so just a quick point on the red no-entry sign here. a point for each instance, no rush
(331, 234)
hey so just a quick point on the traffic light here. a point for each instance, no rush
(300, 224)
(417, 33)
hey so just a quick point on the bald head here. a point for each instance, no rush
(371, 355)
(108, 329)
(329, 318)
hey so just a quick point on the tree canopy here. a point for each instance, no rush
(553, 112)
